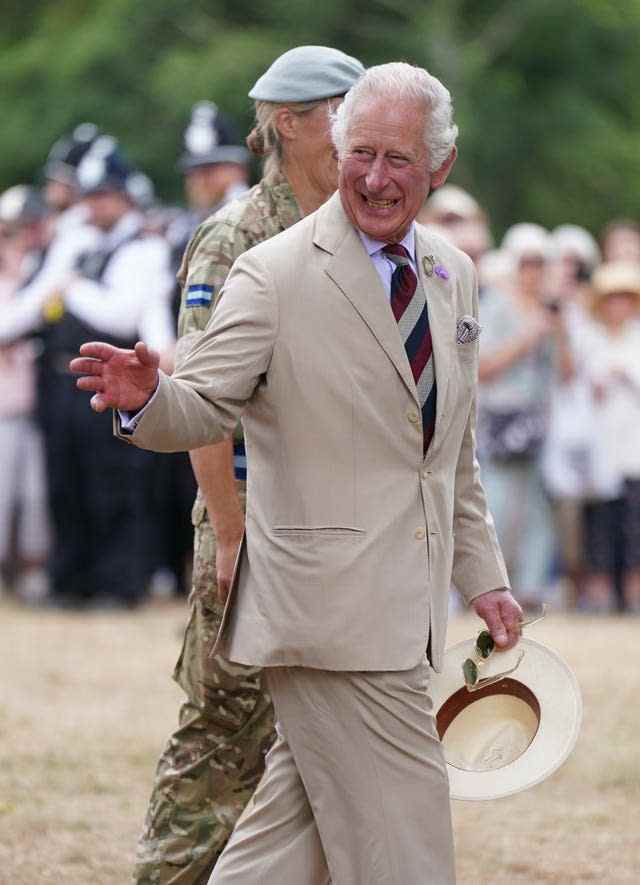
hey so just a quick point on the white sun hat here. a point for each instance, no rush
(512, 734)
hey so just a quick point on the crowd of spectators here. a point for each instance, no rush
(558, 402)
(89, 253)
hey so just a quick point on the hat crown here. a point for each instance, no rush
(67, 152)
(449, 198)
(307, 73)
(211, 137)
(526, 238)
(103, 167)
(21, 204)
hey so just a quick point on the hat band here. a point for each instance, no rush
(463, 698)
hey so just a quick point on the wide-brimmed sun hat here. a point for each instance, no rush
(511, 734)
(525, 240)
(612, 278)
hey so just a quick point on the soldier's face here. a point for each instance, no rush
(314, 149)
(384, 172)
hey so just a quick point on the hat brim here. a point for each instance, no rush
(543, 691)
(598, 297)
(221, 154)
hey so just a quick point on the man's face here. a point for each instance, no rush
(206, 185)
(532, 268)
(58, 195)
(106, 208)
(618, 308)
(26, 237)
(384, 172)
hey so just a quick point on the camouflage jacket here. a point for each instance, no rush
(266, 210)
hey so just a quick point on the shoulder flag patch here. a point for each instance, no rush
(199, 295)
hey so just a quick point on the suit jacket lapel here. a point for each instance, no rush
(440, 307)
(353, 272)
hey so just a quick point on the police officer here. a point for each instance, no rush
(215, 167)
(216, 170)
(61, 191)
(120, 287)
(214, 760)
(66, 234)
(214, 163)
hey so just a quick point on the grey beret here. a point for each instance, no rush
(308, 73)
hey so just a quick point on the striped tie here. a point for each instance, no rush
(409, 307)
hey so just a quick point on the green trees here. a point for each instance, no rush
(545, 90)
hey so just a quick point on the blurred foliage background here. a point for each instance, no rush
(545, 90)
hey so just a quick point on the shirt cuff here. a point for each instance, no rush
(129, 420)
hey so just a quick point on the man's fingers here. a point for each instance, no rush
(496, 627)
(511, 622)
(146, 355)
(512, 615)
(91, 383)
(98, 350)
(86, 366)
(502, 615)
(98, 403)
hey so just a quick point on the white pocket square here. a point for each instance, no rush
(467, 330)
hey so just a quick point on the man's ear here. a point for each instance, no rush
(440, 175)
(286, 123)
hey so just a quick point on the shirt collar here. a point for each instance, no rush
(408, 241)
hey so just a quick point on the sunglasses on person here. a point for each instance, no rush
(484, 648)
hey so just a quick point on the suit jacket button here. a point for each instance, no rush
(413, 416)
(420, 534)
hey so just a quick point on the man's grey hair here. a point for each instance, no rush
(397, 81)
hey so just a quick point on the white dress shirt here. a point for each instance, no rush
(133, 298)
(384, 265)
(23, 315)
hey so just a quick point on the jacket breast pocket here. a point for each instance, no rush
(325, 532)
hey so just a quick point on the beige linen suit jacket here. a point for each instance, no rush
(352, 536)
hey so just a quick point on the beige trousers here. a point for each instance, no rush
(355, 790)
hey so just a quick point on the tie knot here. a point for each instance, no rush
(397, 253)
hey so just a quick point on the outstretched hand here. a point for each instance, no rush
(122, 379)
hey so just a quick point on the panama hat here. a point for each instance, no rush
(612, 278)
(511, 734)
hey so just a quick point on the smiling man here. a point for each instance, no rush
(349, 346)
(387, 163)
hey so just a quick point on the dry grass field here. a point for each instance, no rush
(86, 702)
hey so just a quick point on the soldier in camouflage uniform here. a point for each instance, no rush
(213, 762)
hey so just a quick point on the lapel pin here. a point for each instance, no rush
(428, 264)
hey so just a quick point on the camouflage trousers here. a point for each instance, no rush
(212, 763)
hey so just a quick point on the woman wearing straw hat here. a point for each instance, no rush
(522, 344)
(611, 357)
